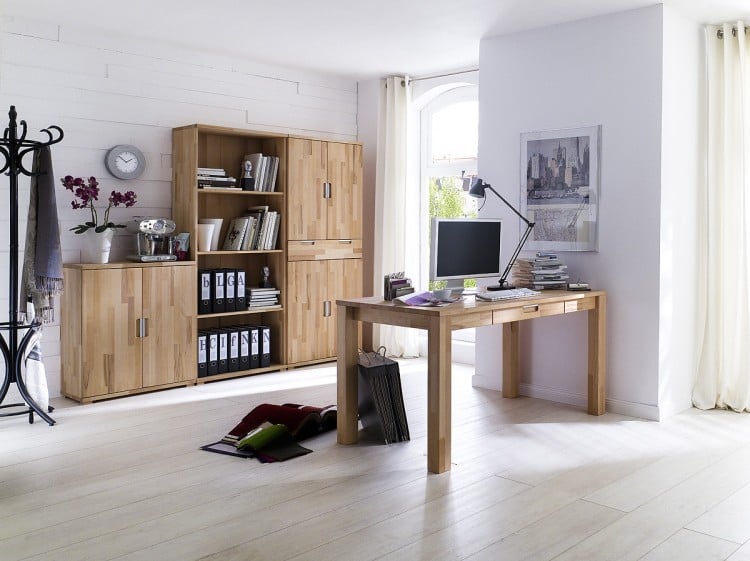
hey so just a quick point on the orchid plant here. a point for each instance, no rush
(86, 191)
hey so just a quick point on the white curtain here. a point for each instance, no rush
(723, 378)
(396, 249)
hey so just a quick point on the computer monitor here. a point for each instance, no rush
(464, 248)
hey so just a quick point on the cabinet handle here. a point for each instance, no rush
(145, 327)
(138, 328)
(326, 308)
(531, 308)
(326, 190)
(307, 242)
(348, 242)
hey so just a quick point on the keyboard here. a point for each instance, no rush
(510, 294)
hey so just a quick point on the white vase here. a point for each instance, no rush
(96, 246)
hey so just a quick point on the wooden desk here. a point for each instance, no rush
(439, 322)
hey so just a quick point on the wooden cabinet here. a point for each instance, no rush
(313, 289)
(324, 242)
(128, 328)
(208, 146)
(325, 190)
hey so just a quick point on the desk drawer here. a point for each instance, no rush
(529, 311)
(579, 305)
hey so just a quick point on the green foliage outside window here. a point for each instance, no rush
(448, 200)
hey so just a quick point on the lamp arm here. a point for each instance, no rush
(510, 206)
(529, 228)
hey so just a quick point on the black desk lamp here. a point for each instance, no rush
(477, 190)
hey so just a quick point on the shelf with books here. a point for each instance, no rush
(238, 252)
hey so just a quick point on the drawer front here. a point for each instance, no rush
(529, 311)
(579, 305)
(473, 320)
(318, 250)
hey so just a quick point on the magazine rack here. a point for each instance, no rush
(13, 148)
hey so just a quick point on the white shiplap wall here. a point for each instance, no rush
(105, 90)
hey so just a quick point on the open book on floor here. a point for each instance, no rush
(271, 432)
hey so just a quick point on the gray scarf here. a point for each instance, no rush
(42, 276)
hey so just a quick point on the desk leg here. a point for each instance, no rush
(346, 374)
(439, 395)
(511, 359)
(597, 356)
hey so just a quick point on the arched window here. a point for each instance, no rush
(448, 125)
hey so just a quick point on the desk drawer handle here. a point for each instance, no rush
(531, 308)
(306, 242)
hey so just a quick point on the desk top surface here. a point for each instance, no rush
(469, 304)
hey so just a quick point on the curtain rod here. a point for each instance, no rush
(720, 32)
(443, 75)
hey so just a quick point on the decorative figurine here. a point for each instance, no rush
(264, 282)
(247, 182)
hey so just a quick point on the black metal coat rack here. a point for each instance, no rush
(14, 147)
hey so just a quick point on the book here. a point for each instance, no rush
(257, 212)
(274, 172)
(247, 240)
(235, 234)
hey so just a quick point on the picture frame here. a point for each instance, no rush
(560, 188)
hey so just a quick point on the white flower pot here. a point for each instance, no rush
(96, 247)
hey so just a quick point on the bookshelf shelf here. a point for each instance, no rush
(241, 313)
(239, 192)
(238, 373)
(238, 252)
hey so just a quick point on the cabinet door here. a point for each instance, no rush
(169, 309)
(111, 350)
(307, 176)
(307, 283)
(345, 203)
(344, 281)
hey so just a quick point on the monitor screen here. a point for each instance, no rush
(462, 248)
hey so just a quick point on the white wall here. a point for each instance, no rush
(683, 124)
(105, 90)
(601, 71)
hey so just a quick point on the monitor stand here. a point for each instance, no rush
(456, 286)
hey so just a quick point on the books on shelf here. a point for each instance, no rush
(264, 170)
(265, 228)
(215, 178)
(235, 234)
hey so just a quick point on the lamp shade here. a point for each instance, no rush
(477, 188)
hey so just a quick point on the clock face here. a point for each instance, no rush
(125, 161)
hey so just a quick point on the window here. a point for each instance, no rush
(448, 160)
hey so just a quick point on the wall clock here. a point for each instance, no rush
(125, 161)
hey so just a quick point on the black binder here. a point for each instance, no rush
(213, 353)
(217, 290)
(204, 291)
(223, 351)
(265, 345)
(254, 346)
(230, 289)
(244, 335)
(240, 304)
(233, 343)
(202, 354)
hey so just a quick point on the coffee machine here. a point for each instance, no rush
(153, 241)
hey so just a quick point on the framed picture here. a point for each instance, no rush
(560, 188)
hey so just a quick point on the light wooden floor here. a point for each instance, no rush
(531, 479)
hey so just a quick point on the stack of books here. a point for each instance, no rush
(215, 178)
(395, 285)
(262, 298)
(257, 231)
(545, 272)
(264, 171)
